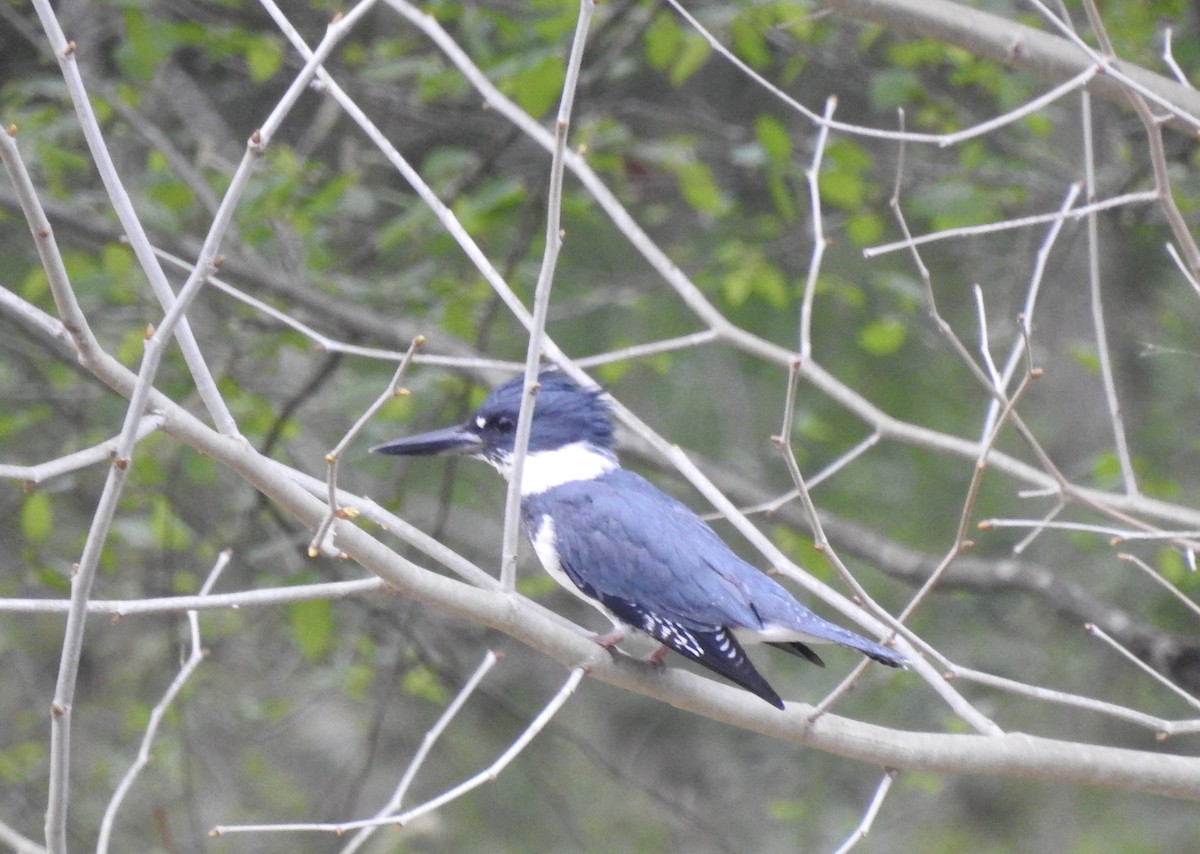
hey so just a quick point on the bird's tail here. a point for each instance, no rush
(878, 652)
(818, 629)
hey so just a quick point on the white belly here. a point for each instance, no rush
(544, 545)
(773, 633)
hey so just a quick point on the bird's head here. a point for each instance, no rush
(565, 417)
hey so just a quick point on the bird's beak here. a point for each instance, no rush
(448, 440)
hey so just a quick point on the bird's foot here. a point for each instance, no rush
(655, 659)
(609, 641)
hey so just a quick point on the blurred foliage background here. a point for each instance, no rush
(311, 711)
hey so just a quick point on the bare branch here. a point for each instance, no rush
(80, 459)
(813, 176)
(868, 819)
(541, 301)
(487, 775)
(156, 714)
(393, 805)
(1017, 45)
(123, 206)
(318, 545)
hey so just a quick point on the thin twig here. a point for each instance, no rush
(18, 843)
(261, 598)
(124, 208)
(1157, 724)
(487, 775)
(74, 320)
(1096, 300)
(868, 819)
(318, 544)
(1168, 57)
(961, 541)
(1156, 576)
(156, 714)
(651, 348)
(820, 541)
(813, 482)
(1124, 200)
(414, 766)
(155, 348)
(1187, 274)
(813, 176)
(985, 348)
(106, 450)
(1051, 514)
(1188, 698)
(1077, 82)
(541, 300)
(1183, 538)
(1109, 67)
(1028, 310)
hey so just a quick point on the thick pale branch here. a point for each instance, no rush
(1006, 755)
(1016, 45)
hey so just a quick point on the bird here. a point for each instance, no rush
(638, 555)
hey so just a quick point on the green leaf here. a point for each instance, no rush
(864, 227)
(774, 139)
(1086, 357)
(699, 188)
(843, 177)
(167, 529)
(37, 517)
(19, 762)
(1107, 470)
(35, 284)
(137, 716)
(892, 88)
(264, 56)
(748, 42)
(312, 626)
(882, 337)
(694, 54)
(841, 189)
(781, 810)
(421, 682)
(1172, 566)
(146, 45)
(924, 781)
(116, 260)
(357, 681)
(52, 579)
(751, 274)
(662, 39)
(536, 88)
(953, 203)
(535, 585)
(799, 546)
(781, 195)
(184, 583)
(173, 195)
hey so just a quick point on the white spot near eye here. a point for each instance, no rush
(480, 422)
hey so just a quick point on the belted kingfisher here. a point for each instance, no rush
(638, 555)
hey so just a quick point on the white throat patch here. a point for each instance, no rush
(547, 469)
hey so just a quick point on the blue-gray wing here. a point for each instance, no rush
(622, 540)
(619, 537)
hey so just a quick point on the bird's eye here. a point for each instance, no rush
(504, 424)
